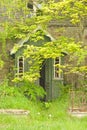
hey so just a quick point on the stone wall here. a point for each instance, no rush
(79, 35)
(7, 70)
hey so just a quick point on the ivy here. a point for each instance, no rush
(17, 24)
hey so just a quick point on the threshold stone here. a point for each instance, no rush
(14, 111)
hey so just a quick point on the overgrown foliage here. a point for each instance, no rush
(32, 91)
(17, 24)
(10, 97)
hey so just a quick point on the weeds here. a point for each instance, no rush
(43, 115)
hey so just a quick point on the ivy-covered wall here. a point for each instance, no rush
(47, 80)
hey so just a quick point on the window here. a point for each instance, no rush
(20, 66)
(57, 70)
(30, 5)
(34, 7)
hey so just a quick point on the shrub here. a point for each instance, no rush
(10, 97)
(6, 90)
(32, 91)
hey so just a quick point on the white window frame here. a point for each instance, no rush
(36, 6)
(60, 74)
(18, 72)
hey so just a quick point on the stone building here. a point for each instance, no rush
(49, 80)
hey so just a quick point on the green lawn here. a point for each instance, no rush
(8, 122)
(43, 116)
(49, 116)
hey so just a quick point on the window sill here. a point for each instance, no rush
(57, 78)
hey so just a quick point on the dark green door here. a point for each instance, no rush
(42, 76)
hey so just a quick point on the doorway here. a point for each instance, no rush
(42, 76)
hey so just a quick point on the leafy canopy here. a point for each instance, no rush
(17, 24)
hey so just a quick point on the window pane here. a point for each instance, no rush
(56, 68)
(20, 66)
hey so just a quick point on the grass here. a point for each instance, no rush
(8, 122)
(43, 116)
